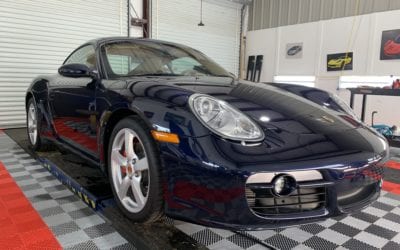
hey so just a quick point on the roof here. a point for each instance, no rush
(103, 40)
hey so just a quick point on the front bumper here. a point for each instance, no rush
(214, 193)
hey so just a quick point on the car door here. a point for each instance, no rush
(73, 105)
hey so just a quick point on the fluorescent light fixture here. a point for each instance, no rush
(308, 81)
(370, 81)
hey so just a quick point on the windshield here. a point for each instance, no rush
(155, 59)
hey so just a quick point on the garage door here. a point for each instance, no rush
(176, 21)
(36, 36)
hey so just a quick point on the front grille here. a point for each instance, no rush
(263, 202)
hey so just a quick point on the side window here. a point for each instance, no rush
(183, 64)
(85, 55)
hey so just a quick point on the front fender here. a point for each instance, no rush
(38, 90)
(167, 117)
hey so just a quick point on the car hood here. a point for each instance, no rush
(298, 122)
(273, 106)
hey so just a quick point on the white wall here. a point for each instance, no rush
(360, 35)
(37, 36)
(176, 21)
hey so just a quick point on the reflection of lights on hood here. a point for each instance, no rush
(265, 119)
(326, 104)
(325, 119)
(161, 128)
(210, 164)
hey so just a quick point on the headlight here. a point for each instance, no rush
(224, 120)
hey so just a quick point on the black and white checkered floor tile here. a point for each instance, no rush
(77, 226)
(73, 223)
(376, 227)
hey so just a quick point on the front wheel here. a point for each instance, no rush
(134, 171)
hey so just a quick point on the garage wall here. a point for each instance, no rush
(273, 13)
(359, 34)
(176, 21)
(36, 36)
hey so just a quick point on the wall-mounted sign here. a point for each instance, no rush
(294, 50)
(390, 45)
(340, 61)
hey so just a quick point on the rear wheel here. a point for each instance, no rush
(134, 171)
(32, 122)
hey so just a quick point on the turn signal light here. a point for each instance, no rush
(165, 137)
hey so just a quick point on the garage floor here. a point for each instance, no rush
(75, 225)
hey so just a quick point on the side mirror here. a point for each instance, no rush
(77, 70)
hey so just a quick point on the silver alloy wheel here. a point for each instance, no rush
(130, 170)
(32, 123)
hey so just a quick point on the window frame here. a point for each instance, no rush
(80, 47)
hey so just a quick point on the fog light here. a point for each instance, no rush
(284, 185)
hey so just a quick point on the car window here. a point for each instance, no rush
(184, 64)
(85, 55)
(149, 58)
(122, 64)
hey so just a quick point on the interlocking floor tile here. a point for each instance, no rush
(78, 227)
(59, 208)
(282, 242)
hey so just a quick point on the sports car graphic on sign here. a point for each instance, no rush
(390, 45)
(178, 135)
(341, 61)
(294, 50)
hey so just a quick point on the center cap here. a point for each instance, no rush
(130, 170)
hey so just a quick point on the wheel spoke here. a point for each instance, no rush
(129, 145)
(123, 188)
(118, 158)
(137, 191)
(141, 165)
(32, 113)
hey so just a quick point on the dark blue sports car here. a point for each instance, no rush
(178, 135)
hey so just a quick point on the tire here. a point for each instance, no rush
(33, 124)
(134, 172)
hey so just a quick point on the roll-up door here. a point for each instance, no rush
(176, 21)
(36, 36)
